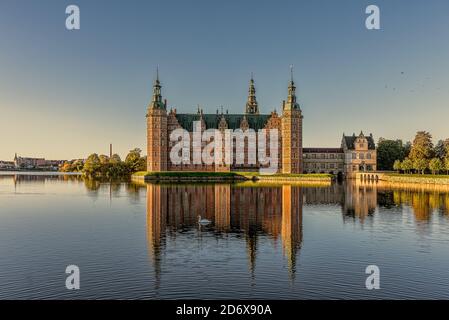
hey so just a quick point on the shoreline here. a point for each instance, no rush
(39, 173)
(185, 176)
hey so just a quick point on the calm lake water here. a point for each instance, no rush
(142, 241)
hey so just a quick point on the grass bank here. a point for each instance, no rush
(416, 178)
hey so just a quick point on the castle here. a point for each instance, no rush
(357, 153)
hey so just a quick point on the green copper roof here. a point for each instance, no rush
(255, 121)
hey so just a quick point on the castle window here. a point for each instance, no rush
(354, 155)
(368, 155)
(361, 156)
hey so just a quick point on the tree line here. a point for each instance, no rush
(420, 156)
(102, 166)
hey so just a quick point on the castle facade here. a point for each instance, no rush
(161, 122)
(357, 153)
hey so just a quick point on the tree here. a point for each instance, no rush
(115, 159)
(435, 165)
(407, 148)
(78, 165)
(446, 165)
(388, 151)
(397, 165)
(134, 161)
(407, 165)
(92, 165)
(422, 147)
(440, 150)
(420, 165)
(103, 159)
(66, 167)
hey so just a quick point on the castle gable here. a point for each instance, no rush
(349, 142)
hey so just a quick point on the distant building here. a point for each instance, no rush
(6, 164)
(36, 163)
(357, 153)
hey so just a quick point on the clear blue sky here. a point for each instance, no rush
(65, 94)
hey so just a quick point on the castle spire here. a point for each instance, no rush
(291, 99)
(156, 101)
(251, 105)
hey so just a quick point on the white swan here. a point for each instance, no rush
(203, 221)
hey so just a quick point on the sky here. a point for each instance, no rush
(65, 94)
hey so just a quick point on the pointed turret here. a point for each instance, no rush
(251, 105)
(156, 100)
(291, 103)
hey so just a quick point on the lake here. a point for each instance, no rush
(143, 241)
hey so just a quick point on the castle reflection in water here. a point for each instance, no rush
(276, 212)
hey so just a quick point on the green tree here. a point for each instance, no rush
(119, 169)
(436, 165)
(115, 159)
(388, 151)
(422, 147)
(420, 165)
(407, 165)
(78, 165)
(397, 165)
(134, 161)
(92, 165)
(103, 159)
(440, 150)
(446, 165)
(407, 148)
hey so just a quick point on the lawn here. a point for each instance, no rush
(409, 175)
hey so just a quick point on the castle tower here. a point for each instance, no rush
(291, 131)
(251, 105)
(291, 230)
(157, 144)
(156, 224)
